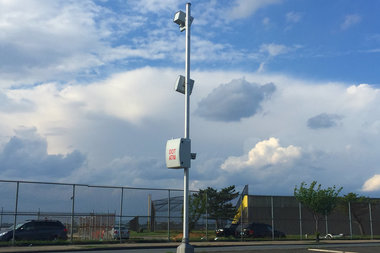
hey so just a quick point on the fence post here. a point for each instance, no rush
(349, 218)
(108, 224)
(72, 214)
(206, 217)
(300, 214)
(121, 211)
(15, 215)
(272, 214)
(169, 215)
(241, 218)
(92, 224)
(370, 219)
(1, 218)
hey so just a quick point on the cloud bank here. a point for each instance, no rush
(99, 131)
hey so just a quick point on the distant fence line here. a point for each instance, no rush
(89, 212)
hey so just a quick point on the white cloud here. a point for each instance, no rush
(274, 49)
(265, 21)
(59, 40)
(350, 20)
(372, 184)
(361, 96)
(271, 50)
(293, 17)
(245, 8)
(42, 39)
(67, 40)
(156, 6)
(265, 153)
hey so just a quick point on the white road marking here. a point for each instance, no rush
(331, 251)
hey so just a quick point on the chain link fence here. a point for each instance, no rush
(90, 212)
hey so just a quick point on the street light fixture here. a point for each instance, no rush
(178, 151)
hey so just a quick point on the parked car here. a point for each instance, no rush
(226, 231)
(257, 230)
(332, 236)
(36, 230)
(116, 235)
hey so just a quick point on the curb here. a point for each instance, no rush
(110, 247)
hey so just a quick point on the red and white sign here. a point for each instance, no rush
(178, 153)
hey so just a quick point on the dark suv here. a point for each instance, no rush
(257, 230)
(226, 231)
(36, 230)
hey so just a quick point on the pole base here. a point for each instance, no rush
(185, 248)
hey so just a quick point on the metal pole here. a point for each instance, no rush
(169, 215)
(185, 238)
(187, 128)
(370, 219)
(72, 214)
(185, 247)
(187, 73)
(15, 218)
(121, 211)
(327, 224)
(349, 217)
(272, 213)
(300, 212)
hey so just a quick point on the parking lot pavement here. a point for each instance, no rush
(334, 246)
(346, 249)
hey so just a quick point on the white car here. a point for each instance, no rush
(331, 236)
(116, 235)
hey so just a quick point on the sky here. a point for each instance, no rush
(286, 91)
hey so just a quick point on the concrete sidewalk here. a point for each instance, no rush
(89, 247)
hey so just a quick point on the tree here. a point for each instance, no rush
(359, 207)
(218, 204)
(319, 201)
(197, 207)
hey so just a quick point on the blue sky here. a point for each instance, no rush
(285, 91)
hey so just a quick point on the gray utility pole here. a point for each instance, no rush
(185, 247)
(179, 151)
(187, 131)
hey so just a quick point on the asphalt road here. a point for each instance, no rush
(335, 248)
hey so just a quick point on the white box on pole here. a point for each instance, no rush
(178, 153)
